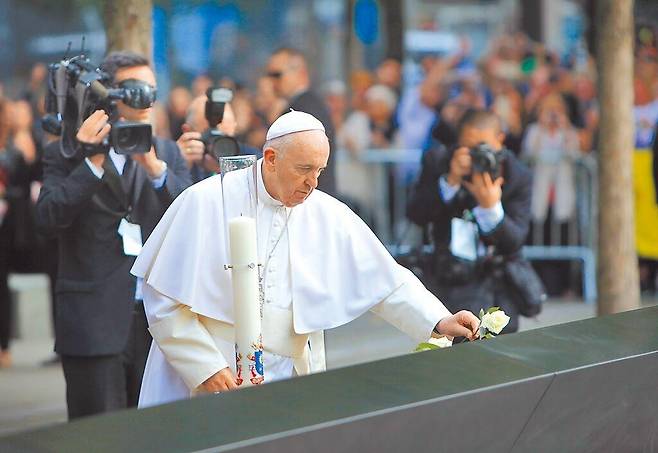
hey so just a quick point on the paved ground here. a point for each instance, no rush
(32, 395)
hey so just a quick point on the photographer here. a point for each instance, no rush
(480, 218)
(196, 128)
(102, 205)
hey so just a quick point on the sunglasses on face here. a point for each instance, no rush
(137, 93)
(275, 74)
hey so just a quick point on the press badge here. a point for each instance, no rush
(464, 238)
(132, 237)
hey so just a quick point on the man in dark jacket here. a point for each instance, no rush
(488, 216)
(288, 69)
(101, 208)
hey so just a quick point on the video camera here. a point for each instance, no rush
(217, 143)
(484, 159)
(76, 89)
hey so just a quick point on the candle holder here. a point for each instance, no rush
(240, 198)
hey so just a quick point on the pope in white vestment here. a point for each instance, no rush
(322, 268)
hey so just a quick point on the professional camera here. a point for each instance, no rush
(484, 159)
(217, 143)
(76, 89)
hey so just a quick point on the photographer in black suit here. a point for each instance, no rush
(98, 207)
(480, 220)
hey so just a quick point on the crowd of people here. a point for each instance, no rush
(519, 97)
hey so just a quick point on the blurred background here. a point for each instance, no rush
(407, 70)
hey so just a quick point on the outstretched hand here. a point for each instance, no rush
(461, 324)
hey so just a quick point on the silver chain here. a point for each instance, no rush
(262, 268)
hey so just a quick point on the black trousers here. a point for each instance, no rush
(100, 384)
(5, 300)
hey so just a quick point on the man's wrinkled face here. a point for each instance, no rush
(472, 136)
(294, 171)
(144, 74)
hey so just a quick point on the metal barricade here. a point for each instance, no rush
(581, 236)
(389, 175)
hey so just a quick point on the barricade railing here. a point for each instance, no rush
(579, 242)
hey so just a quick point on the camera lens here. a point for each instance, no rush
(126, 139)
(225, 146)
(131, 138)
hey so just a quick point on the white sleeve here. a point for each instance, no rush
(489, 218)
(185, 342)
(98, 172)
(447, 191)
(412, 309)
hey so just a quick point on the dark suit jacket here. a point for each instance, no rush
(427, 207)
(95, 291)
(309, 102)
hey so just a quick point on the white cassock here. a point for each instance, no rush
(322, 266)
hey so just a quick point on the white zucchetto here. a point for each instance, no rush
(292, 122)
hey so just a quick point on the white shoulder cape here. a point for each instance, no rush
(339, 268)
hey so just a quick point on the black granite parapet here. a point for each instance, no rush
(585, 386)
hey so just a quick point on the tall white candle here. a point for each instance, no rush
(246, 303)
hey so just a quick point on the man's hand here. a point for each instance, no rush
(461, 324)
(460, 166)
(487, 192)
(191, 146)
(93, 131)
(154, 167)
(222, 381)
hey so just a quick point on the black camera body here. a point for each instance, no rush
(216, 142)
(76, 89)
(484, 159)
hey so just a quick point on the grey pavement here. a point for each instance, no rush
(32, 395)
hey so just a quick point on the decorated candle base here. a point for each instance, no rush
(253, 362)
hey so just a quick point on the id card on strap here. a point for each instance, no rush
(132, 237)
(464, 239)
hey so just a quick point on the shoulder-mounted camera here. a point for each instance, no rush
(77, 88)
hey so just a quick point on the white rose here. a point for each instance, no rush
(442, 342)
(495, 322)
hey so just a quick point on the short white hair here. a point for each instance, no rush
(382, 93)
(279, 143)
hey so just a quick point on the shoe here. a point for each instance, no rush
(5, 359)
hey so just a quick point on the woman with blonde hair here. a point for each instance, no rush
(551, 146)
